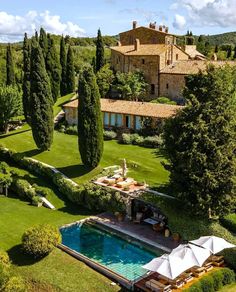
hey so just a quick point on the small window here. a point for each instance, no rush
(152, 88)
(167, 85)
(177, 57)
(143, 61)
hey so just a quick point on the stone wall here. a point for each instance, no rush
(171, 85)
(71, 115)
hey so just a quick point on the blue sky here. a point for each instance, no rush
(83, 18)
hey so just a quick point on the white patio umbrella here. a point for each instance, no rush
(194, 255)
(168, 266)
(213, 243)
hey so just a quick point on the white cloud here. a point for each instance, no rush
(219, 13)
(179, 22)
(13, 27)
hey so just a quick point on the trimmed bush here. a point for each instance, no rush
(213, 282)
(135, 139)
(15, 284)
(109, 135)
(4, 259)
(229, 222)
(39, 241)
(230, 257)
(4, 276)
(207, 284)
(24, 189)
(217, 280)
(71, 130)
(228, 276)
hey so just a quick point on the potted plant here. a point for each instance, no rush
(37, 201)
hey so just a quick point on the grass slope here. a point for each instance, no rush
(144, 164)
(58, 271)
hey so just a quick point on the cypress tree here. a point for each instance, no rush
(234, 53)
(63, 87)
(229, 52)
(10, 67)
(36, 35)
(26, 78)
(40, 100)
(53, 68)
(100, 60)
(43, 41)
(90, 130)
(200, 143)
(70, 71)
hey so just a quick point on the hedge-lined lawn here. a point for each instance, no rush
(58, 271)
(229, 288)
(144, 164)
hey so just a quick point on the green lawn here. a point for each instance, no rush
(144, 164)
(60, 101)
(58, 271)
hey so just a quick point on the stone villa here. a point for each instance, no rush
(153, 51)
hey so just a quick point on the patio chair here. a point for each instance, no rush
(138, 217)
(217, 261)
(157, 286)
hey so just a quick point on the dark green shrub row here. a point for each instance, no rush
(230, 257)
(39, 241)
(91, 196)
(109, 135)
(23, 189)
(229, 222)
(135, 139)
(213, 282)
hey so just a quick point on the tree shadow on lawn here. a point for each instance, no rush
(14, 133)
(31, 152)
(73, 171)
(19, 258)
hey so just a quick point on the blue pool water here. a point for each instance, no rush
(109, 250)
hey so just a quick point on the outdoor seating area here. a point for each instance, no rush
(185, 263)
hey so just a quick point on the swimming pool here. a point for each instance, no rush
(110, 250)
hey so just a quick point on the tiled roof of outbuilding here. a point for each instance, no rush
(137, 108)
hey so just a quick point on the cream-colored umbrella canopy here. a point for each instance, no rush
(191, 253)
(213, 243)
(168, 266)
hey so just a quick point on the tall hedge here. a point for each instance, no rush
(90, 128)
(41, 101)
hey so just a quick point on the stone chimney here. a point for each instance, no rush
(134, 24)
(152, 25)
(167, 29)
(137, 45)
(160, 27)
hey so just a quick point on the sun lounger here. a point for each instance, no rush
(176, 283)
(215, 258)
(157, 286)
(198, 272)
(125, 183)
(109, 181)
(186, 277)
(218, 264)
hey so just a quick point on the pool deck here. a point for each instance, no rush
(143, 231)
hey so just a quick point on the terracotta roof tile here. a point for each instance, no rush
(145, 109)
(193, 66)
(193, 52)
(144, 50)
